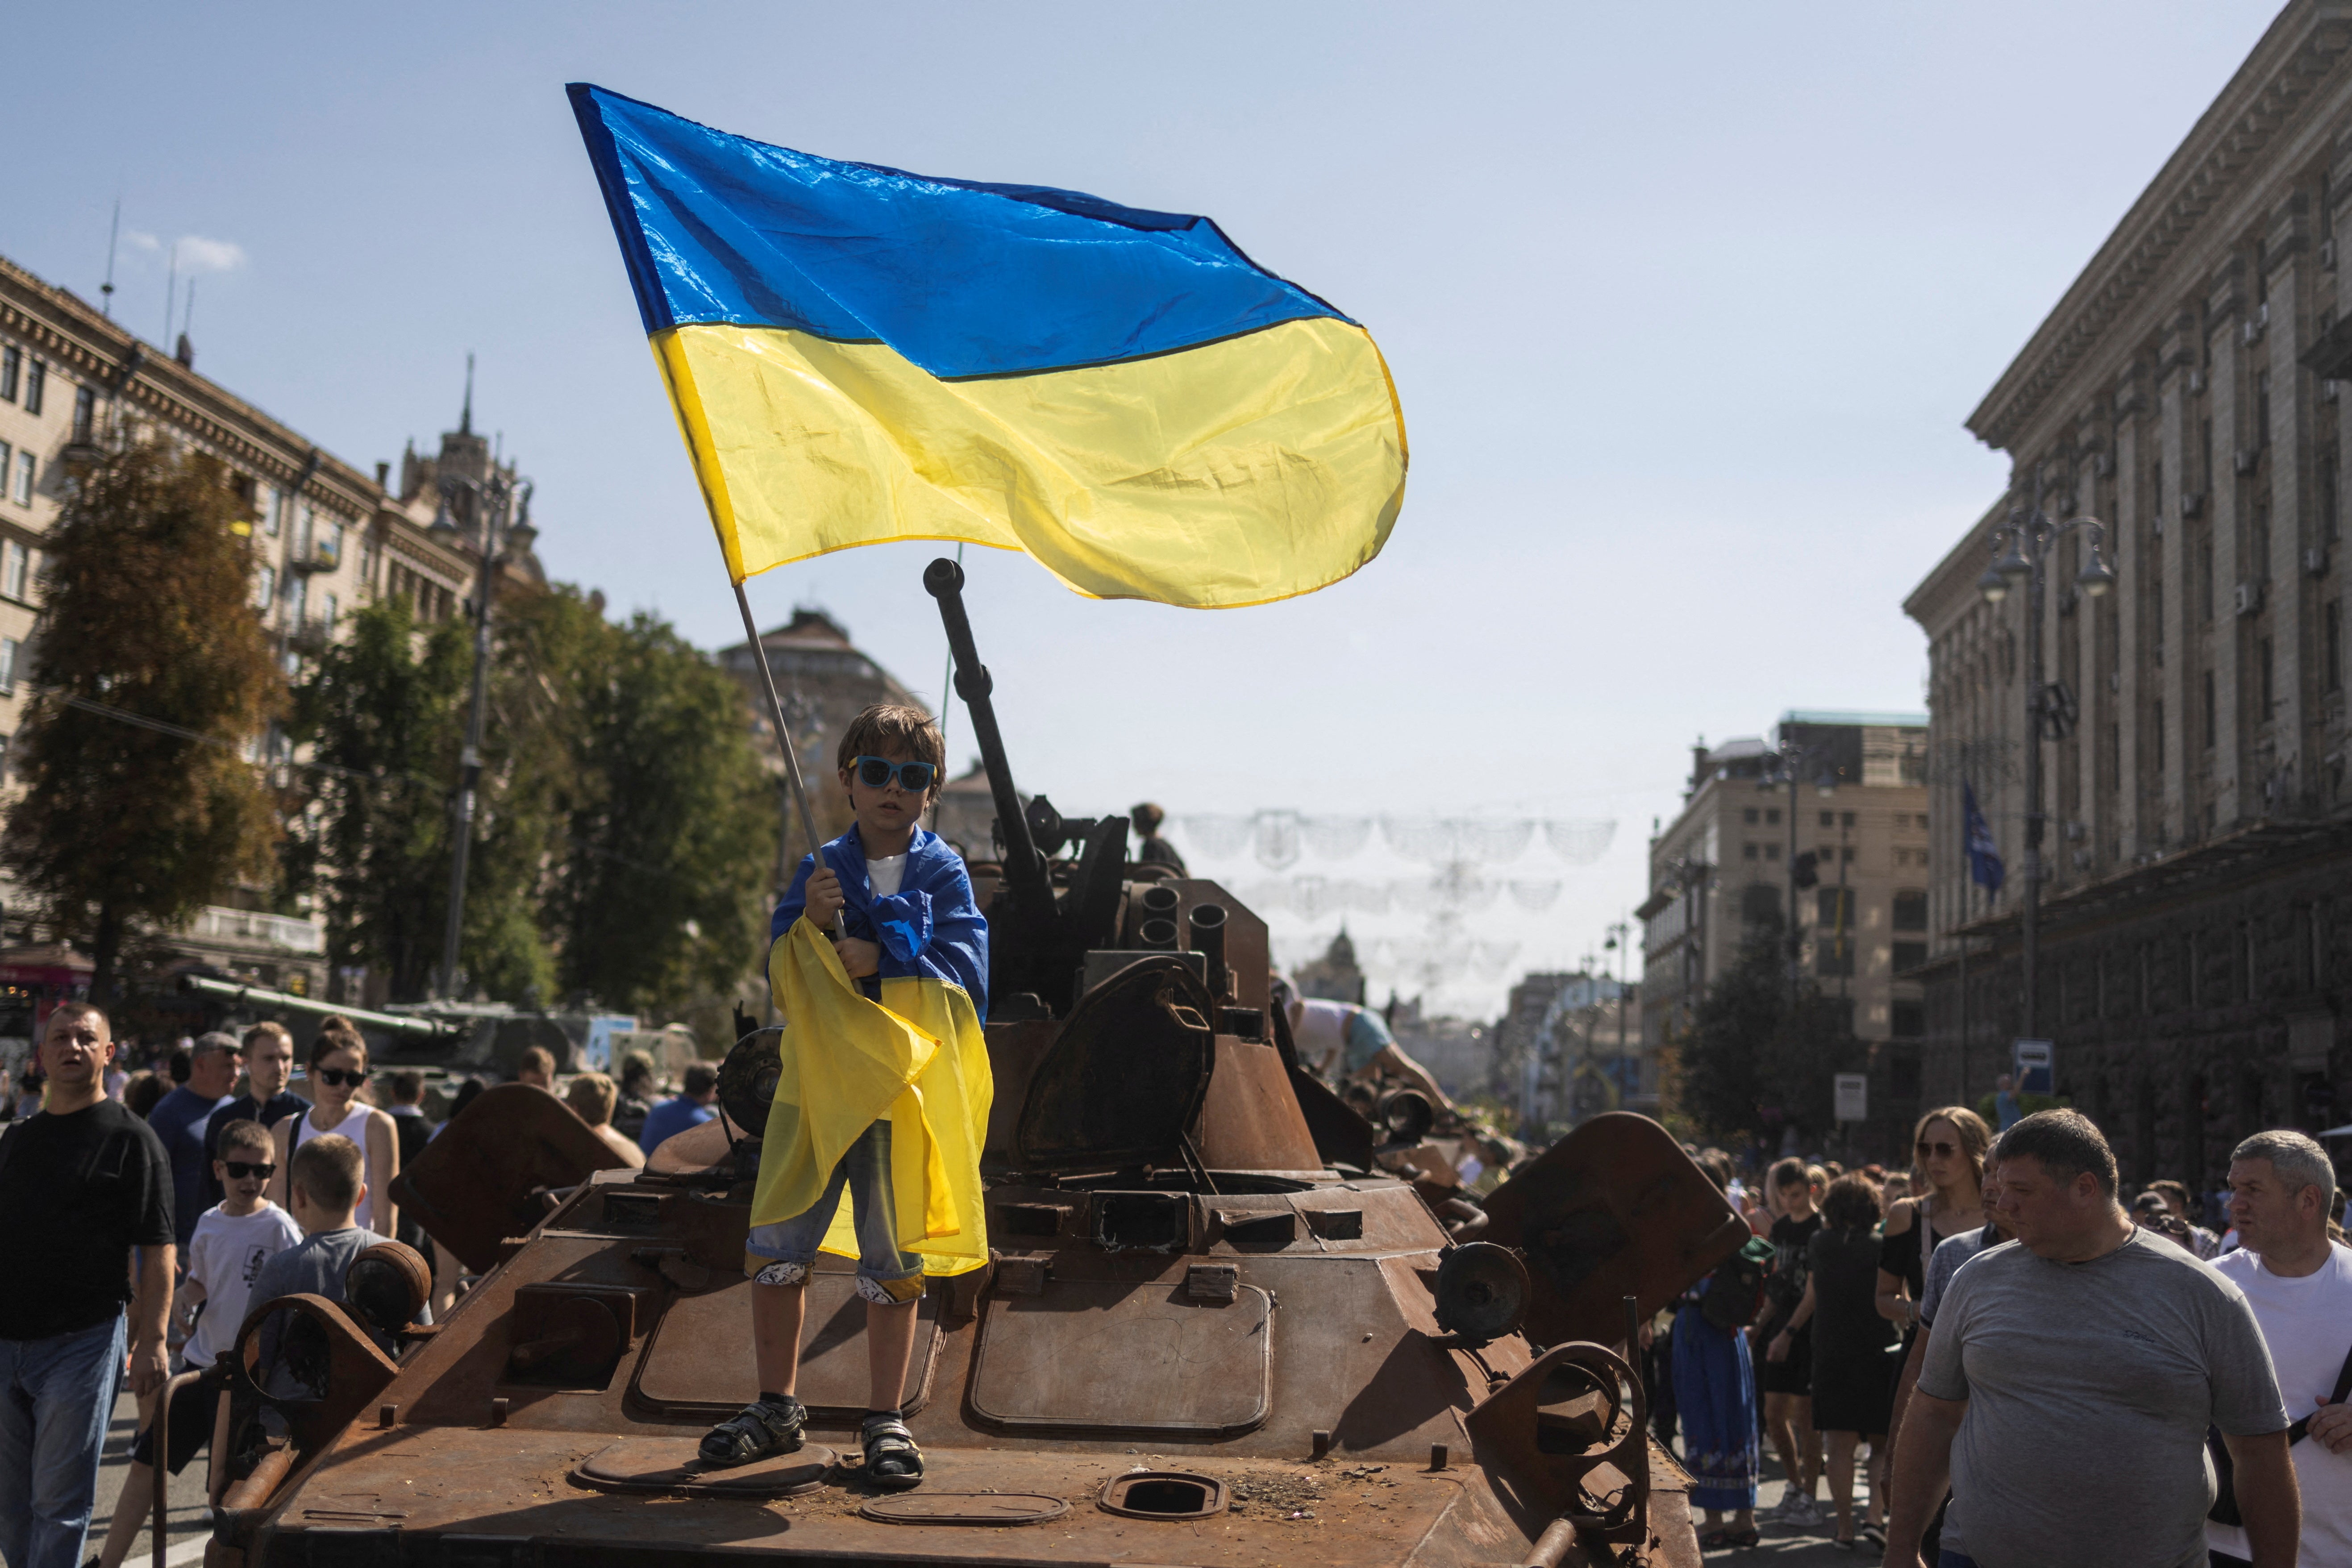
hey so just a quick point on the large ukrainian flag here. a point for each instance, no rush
(857, 354)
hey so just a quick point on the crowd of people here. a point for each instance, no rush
(2040, 1373)
(159, 1204)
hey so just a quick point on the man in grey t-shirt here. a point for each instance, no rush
(2088, 1337)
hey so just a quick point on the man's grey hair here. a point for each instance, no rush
(217, 1041)
(2300, 1161)
(2067, 1142)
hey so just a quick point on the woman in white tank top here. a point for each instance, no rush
(339, 1070)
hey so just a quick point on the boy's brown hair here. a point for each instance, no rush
(592, 1097)
(889, 727)
(244, 1134)
(329, 1169)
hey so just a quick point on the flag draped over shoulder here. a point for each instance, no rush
(857, 354)
(916, 1059)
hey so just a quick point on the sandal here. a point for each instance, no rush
(892, 1461)
(760, 1431)
(1715, 1540)
(1742, 1538)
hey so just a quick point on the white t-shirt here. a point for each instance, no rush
(226, 1254)
(884, 875)
(2307, 1323)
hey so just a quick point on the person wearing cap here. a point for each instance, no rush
(179, 1120)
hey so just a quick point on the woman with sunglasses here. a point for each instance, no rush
(339, 1071)
(1948, 1148)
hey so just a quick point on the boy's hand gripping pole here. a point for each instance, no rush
(785, 742)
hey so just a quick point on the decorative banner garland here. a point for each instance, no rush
(1279, 839)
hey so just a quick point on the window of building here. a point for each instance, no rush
(2262, 663)
(1747, 851)
(1910, 956)
(37, 381)
(2155, 494)
(1772, 815)
(1752, 816)
(1903, 1066)
(1907, 1021)
(27, 471)
(1833, 955)
(1835, 908)
(12, 371)
(298, 599)
(1849, 819)
(1846, 853)
(9, 647)
(2212, 714)
(2326, 462)
(273, 517)
(85, 411)
(1911, 909)
(2262, 406)
(1829, 819)
(1758, 903)
(328, 611)
(264, 589)
(14, 571)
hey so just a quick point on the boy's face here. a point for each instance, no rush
(244, 1174)
(886, 810)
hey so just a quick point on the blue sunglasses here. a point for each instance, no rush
(874, 772)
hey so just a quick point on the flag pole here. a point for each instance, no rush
(784, 733)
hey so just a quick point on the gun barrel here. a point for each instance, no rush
(390, 1023)
(1025, 869)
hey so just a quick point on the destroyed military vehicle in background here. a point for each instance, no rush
(1212, 1329)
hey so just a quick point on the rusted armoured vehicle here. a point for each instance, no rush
(1212, 1331)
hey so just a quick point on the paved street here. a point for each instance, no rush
(1782, 1544)
(189, 1521)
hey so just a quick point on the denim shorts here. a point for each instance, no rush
(781, 1253)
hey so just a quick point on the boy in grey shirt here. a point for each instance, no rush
(2088, 1339)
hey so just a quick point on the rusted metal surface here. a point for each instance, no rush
(1208, 1332)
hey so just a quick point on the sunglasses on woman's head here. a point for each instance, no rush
(1926, 1148)
(338, 1077)
(915, 778)
(239, 1170)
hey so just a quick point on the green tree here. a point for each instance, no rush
(1757, 1058)
(661, 901)
(152, 679)
(383, 715)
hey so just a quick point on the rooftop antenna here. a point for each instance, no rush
(113, 240)
(170, 290)
(466, 418)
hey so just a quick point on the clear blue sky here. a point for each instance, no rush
(1684, 304)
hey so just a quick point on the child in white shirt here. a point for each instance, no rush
(233, 1239)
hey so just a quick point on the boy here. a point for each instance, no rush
(233, 1240)
(908, 923)
(325, 1182)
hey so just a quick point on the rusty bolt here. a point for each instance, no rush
(384, 1412)
(498, 1412)
(1437, 1456)
(1322, 1442)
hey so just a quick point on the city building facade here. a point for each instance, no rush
(2187, 392)
(328, 537)
(1722, 868)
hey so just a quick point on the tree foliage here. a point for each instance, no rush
(621, 835)
(148, 616)
(670, 832)
(1757, 1060)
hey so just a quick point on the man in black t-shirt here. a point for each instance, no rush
(86, 1188)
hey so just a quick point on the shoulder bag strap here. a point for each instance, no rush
(2294, 1434)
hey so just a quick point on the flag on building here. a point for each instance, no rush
(857, 354)
(1983, 852)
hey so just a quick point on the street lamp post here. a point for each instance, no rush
(1789, 764)
(493, 498)
(2020, 549)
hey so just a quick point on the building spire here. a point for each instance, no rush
(466, 417)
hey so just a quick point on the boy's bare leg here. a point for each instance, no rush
(889, 1347)
(131, 1513)
(777, 1314)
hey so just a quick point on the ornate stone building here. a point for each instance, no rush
(2197, 932)
(330, 537)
